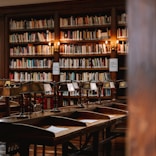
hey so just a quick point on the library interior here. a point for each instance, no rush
(78, 78)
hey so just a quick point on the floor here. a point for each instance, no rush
(115, 148)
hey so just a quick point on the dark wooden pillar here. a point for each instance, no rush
(142, 78)
(2, 53)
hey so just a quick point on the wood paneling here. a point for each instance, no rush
(142, 78)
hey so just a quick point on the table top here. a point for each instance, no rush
(52, 128)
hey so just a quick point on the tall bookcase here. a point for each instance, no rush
(87, 32)
(85, 47)
(122, 50)
(31, 48)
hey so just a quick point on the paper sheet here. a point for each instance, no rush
(55, 129)
(88, 120)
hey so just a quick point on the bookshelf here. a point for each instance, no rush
(85, 30)
(122, 50)
(85, 48)
(31, 48)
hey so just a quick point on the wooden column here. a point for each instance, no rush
(142, 78)
(2, 53)
(113, 40)
(56, 51)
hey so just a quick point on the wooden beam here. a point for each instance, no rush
(141, 78)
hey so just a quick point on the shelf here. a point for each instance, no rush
(31, 30)
(122, 68)
(30, 69)
(84, 69)
(85, 26)
(74, 41)
(31, 43)
(32, 56)
(85, 55)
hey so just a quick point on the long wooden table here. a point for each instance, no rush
(50, 129)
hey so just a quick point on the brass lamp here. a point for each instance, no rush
(2, 82)
(106, 85)
(7, 92)
(122, 88)
(86, 87)
(111, 85)
(29, 88)
(32, 87)
(99, 85)
(122, 84)
(80, 94)
(66, 87)
(54, 85)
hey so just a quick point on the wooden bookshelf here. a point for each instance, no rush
(86, 30)
(122, 51)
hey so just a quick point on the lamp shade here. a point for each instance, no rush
(93, 86)
(63, 87)
(32, 87)
(122, 84)
(76, 86)
(106, 85)
(47, 88)
(2, 83)
(86, 85)
(100, 84)
(8, 92)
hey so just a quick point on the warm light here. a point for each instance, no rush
(49, 43)
(56, 46)
(114, 44)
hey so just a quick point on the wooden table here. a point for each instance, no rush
(72, 122)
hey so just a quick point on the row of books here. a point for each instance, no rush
(122, 47)
(31, 24)
(122, 33)
(31, 63)
(122, 19)
(84, 62)
(65, 21)
(85, 34)
(89, 48)
(31, 37)
(31, 49)
(30, 76)
(85, 76)
(85, 20)
(66, 102)
(84, 93)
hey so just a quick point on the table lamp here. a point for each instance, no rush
(29, 88)
(54, 85)
(9, 91)
(89, 85)
(66, 87)
(99, 85)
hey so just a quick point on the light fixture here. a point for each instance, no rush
(122, 84)
(54, 85)
(56, 46)
(8, 91)
(29, 88)
(89, 86)
(114, 44)
(66, 87)
(99, 85)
